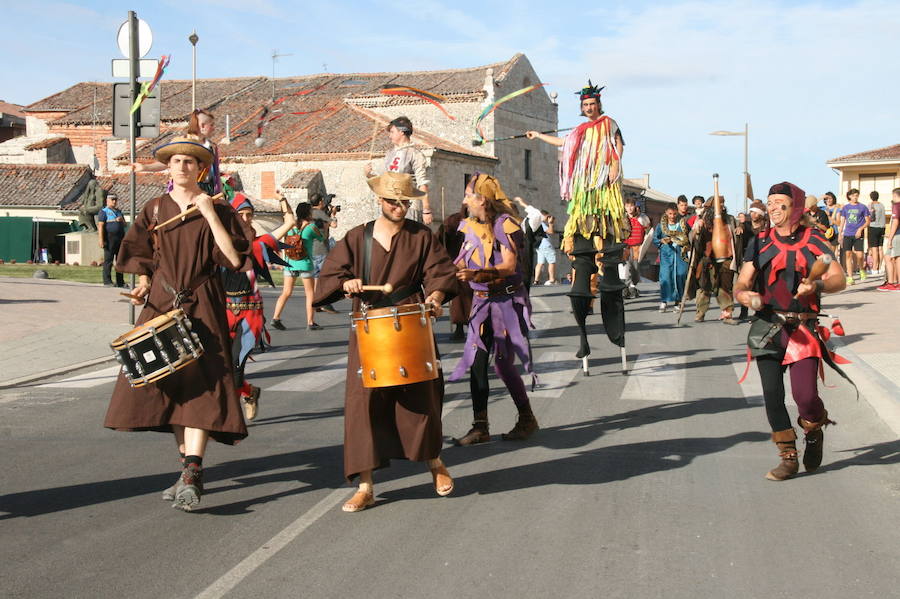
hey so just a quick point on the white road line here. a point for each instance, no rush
(273, 358)
(657, 377)
(752, 387)
(323, 377)
(245, 567)
(85, 381)
(555, 371)
(234, 576)
(541, 321)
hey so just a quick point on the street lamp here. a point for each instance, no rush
(746, 134)
(194, 38)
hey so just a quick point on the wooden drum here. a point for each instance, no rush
(157, 348)
(396, 345)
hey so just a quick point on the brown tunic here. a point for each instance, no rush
(402, 422)
(202, 394)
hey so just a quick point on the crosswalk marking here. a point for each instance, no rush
(316, 379)
(273, 358)
(752, 387)
(657, 377)
(86, 381)
(555, 370)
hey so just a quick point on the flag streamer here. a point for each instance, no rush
(405, 90)
(148, 86)
(479, 132)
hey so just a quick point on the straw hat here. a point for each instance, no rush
(188, 145)
(811, 201)
(395, 186)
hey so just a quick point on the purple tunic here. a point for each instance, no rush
(509, 314)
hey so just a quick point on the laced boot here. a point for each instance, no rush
(814, 438)
(786, 441)
(190, 488)
(525, 426)
(479, 433)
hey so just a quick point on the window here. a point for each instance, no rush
(267, 185)
(528, 165)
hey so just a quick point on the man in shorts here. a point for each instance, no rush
(546, 253)
(876, 234)
(892, 254)
(854, 221)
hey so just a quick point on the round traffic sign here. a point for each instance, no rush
(145, 39)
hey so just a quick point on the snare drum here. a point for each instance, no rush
(396, 345)
(157, 348)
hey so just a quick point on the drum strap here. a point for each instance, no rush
(391, 299)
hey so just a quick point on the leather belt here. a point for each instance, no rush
(800, 316)
(497, 291)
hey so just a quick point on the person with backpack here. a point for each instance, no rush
(299, 256)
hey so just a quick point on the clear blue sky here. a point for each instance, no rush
(815, 80)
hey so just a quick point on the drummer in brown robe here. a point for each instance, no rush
(198, 401)
(404, 421)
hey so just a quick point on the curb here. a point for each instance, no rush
(881, 393)
(61, 370)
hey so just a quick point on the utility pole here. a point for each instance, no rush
(133, 72)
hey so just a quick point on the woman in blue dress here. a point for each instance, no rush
(671, 237)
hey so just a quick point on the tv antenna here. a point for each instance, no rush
(275, 57)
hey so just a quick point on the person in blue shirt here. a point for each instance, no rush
(111, 230)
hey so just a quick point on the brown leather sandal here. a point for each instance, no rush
(443, 483)
(360, 501)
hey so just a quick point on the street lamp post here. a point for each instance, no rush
(194, 38)
(746, 134)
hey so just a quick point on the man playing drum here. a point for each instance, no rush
(177, 266)
(402, 421)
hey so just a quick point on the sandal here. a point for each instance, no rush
(443, 484)
(360, 501)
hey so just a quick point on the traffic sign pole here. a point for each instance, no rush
(133, 73)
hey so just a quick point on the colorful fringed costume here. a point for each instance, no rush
(595, 204)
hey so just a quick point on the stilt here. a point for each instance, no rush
(584, 366)
(624, 360)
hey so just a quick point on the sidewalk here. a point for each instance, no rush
(51, 327)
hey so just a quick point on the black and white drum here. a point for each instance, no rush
(157, 348)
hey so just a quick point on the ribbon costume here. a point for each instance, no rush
(501, 309)
(786, 333)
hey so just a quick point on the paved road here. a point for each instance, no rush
(648, 484)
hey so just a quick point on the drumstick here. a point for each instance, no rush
(189, 210)
(386, 288)
(819, 268)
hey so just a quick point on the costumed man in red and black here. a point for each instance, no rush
(776, 281)
(246, 320)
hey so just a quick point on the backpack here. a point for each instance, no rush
(297, 251)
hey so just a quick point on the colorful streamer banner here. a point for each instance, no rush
(405, 90)
(147, 87)
(479, 133)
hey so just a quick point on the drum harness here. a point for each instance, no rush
(388, 299)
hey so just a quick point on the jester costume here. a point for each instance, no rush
(244, 303)
(595, 205)
(786, 334)
(500, 315)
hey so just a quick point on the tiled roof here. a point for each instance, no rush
(11, 109)
(91, 102)
(46, 143)
(888, 153)
(40, 184)
(331, 130)
(18, 145)
(302, 178)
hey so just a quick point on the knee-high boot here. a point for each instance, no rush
(786, 441)
(814, 438)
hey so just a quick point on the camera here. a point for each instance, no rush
(335, 209)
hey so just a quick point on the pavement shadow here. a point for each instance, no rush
(878, 454)
(299, 417)
(311, 469)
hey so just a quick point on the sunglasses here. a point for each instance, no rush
(397, 203)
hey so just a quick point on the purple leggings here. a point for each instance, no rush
(803, 388)
(504, 366)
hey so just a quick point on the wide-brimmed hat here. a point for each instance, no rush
(395, 186)
(189, 145)
(811, 201)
